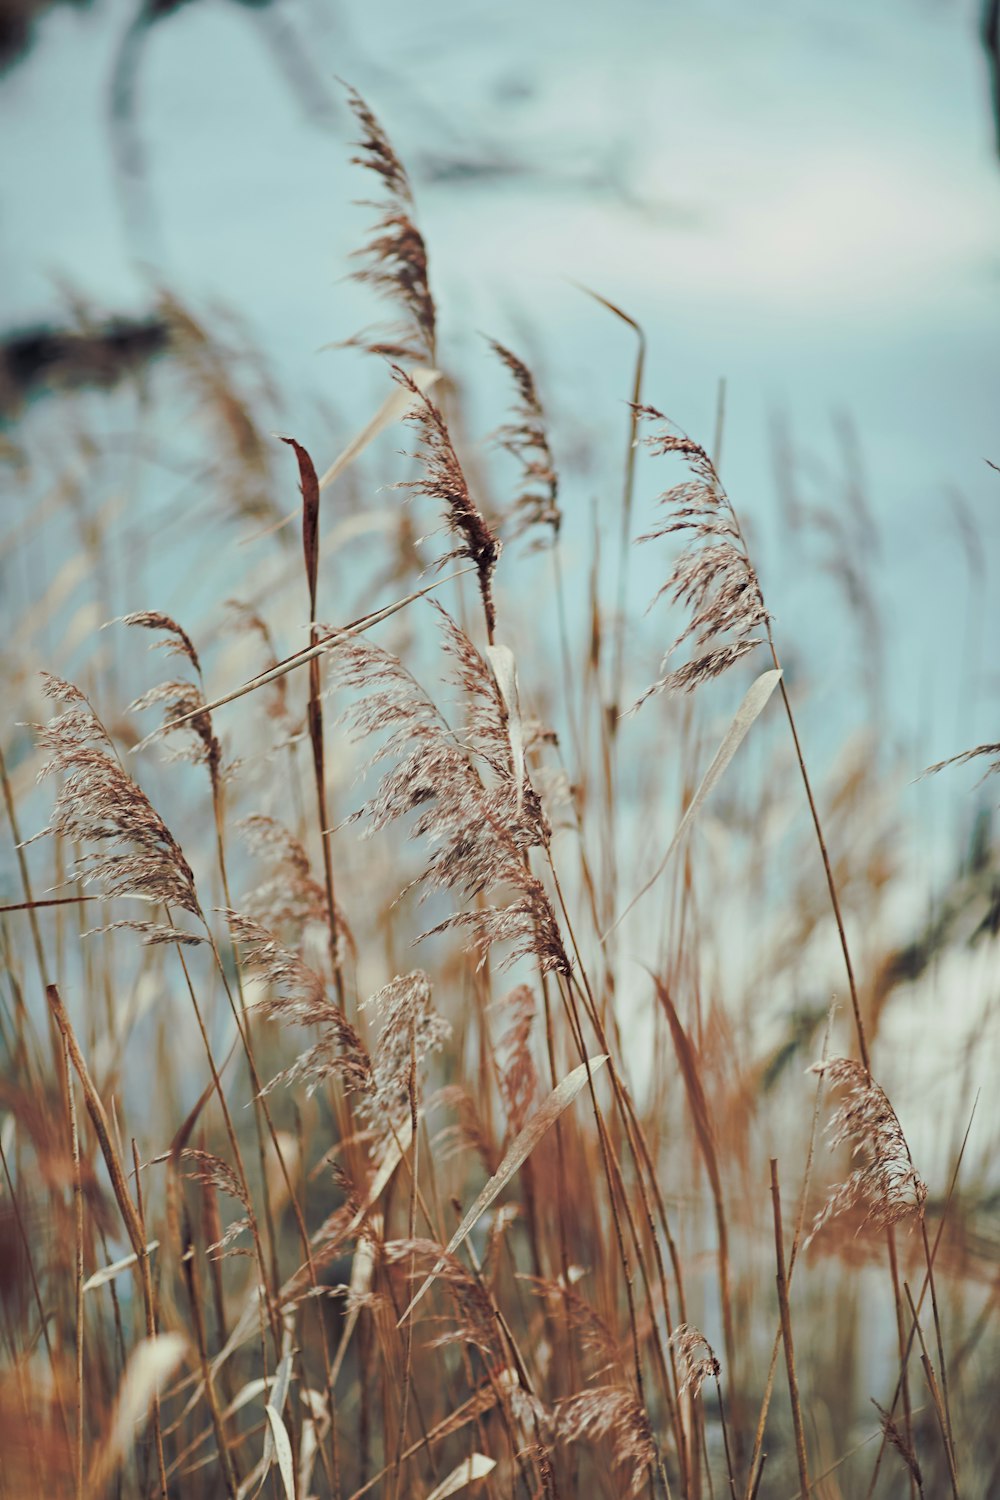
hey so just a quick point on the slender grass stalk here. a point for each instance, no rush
(935, 1394)
(756, 1459)
(786, 1334)
(77, 1269)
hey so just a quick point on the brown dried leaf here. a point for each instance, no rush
(476, 1466)
(309, 484)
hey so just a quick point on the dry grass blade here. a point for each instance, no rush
(701, 1116)
(753, 704)
(311, 653)
(108, 1273)
(151, 1364)
(628, 494)
(282, 1450)
(501, 659)
(521, 1148)
(476, 1466)
(102, 1129)
(393, 408)
(362, 1270)
(309, 486)
(51, 901)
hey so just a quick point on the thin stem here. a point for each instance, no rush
(935, 1395)
(78, 1266)
(786, 1333)
(859, 1024)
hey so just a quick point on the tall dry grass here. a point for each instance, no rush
(362, 1157)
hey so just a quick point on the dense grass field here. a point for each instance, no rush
(454, 1022)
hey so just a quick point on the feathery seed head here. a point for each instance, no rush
(885, 1186)
(713, 578)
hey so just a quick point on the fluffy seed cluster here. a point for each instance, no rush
(611, 1414)
(713, 578)
(410, 1031)
(479, 827)
(289, 900)
(133, 852)
(217, 1175)
(696, 1356)
(526, 439)
(885, 1187)
(395, 256)
(298, 997)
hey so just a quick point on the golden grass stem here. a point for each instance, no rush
(189, 1262)
(920, 1299)
(786, 1333)
(935, 1394)
(792, 1258)
(77, 1269)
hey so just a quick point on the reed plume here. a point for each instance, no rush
(410, 1030)
(132, 851)
(478, 833)
(217, 1176)
(525, 437)
(298, 996)
(964, 756)
(443, 480)
(611, 1414)
(712, 577)
(395, 256)
(698, 1362)
(195, 740)
(288, 898)
(885, 1187)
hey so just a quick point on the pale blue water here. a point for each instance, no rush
(802, 198)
